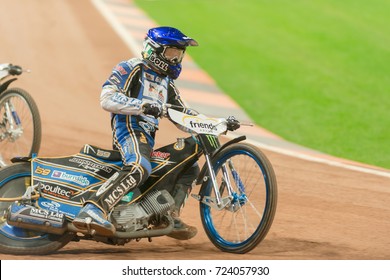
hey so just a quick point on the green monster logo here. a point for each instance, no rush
(213, 141)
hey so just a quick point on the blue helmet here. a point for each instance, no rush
(164, 49)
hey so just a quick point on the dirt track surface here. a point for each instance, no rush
(323, 212)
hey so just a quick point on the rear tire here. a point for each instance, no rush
(18, 241)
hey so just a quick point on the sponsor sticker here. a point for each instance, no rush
(51, 205)
(158, 62)
(57, 191)
(42, 213)
(116, 194)
(213, 141)
(114, 79)
(120, 69)
(42, 171)
(89, 165)
(158, 154)
(142, 139)
(103, 154)
(78, 179)
(107, 184)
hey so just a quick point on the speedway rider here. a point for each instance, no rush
(134, 94)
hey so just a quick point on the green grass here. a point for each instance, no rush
(317, 73)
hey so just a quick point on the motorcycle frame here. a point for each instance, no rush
(196, 146)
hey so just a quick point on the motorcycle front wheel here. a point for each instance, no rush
(17, 241)
(245, 221)
(20, 125)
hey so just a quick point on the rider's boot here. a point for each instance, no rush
(181, 230)
(183, 187)
(93, 216)
(94, 219)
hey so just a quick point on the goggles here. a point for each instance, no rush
(173, 55)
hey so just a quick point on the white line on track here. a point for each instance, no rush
(314, 158)
(126, 36)
(117, 26)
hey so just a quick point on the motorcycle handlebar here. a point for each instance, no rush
(15, 70)
(166, 106)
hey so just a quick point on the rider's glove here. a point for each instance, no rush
(152, 109)
(232, 123)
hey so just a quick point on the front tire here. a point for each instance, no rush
(245, 221)
(20, 125)
(17, 241)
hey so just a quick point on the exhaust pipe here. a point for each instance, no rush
(30, 217)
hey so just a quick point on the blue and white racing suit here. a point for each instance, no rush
(130, 85)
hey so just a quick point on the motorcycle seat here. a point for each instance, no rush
(97, 152)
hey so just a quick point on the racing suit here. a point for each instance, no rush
(131, 85)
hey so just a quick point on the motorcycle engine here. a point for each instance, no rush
(140, 215)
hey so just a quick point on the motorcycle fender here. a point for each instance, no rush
(4, 86)
(202, 173)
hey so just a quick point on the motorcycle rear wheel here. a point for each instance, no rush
(245, 221)
(17, 241)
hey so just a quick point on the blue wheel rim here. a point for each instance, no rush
(208, 221)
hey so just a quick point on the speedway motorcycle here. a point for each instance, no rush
(237, 195)
(20, 123)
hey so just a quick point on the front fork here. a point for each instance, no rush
(10, 126)
(13, 121)
(218, 202)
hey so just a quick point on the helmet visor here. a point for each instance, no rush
(173, 55)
